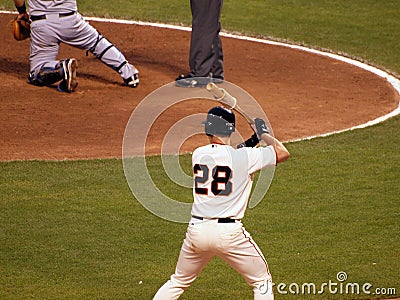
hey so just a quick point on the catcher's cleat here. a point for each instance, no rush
(132, 81)
(69, 82)
(191, 80)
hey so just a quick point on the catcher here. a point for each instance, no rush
(50, 23)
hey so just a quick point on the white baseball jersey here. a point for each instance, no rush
(222, 178)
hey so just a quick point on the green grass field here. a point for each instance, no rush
(72, 230)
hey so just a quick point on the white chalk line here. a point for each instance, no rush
(392, 80)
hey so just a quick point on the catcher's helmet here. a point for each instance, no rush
(220, 121)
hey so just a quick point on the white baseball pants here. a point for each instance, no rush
(229, 241)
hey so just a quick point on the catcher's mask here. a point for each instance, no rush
(220, 121)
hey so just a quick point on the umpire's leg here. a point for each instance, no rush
(205, 30)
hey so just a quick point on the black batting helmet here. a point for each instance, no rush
(220, 121)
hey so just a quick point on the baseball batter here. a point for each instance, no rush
(58, 21)
(222, 185)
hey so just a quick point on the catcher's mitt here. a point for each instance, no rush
(21, 27)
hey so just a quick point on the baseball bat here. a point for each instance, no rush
(223, 97)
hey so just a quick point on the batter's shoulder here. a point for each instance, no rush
(200, 150)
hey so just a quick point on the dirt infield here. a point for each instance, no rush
(304, 94)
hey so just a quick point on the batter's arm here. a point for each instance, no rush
(266, 139)
(281, 151)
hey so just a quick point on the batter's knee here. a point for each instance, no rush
(171, 290)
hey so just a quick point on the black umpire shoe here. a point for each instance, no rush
(191, 80)
(218, 79)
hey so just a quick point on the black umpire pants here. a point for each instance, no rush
(206, 56)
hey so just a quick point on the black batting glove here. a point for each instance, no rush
(261, 127)
(251, 142)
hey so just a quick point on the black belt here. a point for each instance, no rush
(220, 220)
(42, 17)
